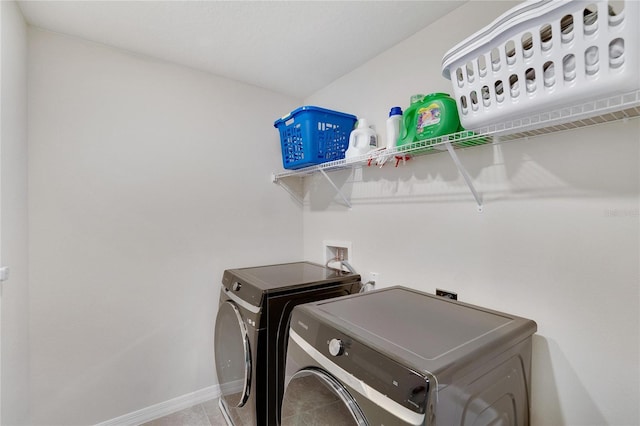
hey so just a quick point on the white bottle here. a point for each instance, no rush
(393, 126)
(393, 132)
(361, 140)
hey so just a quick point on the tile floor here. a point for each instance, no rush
(312, 403)
(205, 414)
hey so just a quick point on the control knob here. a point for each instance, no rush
(336, 347)
(236, 286)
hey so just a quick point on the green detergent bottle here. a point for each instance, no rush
(428, 117)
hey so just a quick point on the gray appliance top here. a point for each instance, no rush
(428, 331)
(290, 275)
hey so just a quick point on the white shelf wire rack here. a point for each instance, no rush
(589, 113)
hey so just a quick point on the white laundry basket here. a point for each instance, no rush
(544, 54)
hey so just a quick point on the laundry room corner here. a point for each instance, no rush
(14, 276)
(146, 181)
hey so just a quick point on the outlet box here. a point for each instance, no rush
(446, 293)
(371, 276)
(369, 281)
(340, 250)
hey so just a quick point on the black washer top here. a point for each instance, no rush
(250, 284)
(289, 275)
(427, 331)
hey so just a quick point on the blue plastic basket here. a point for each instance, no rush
(311, 135)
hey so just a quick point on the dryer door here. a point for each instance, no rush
(233, 355)
(312, 395)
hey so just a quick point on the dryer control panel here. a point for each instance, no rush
(240, 288)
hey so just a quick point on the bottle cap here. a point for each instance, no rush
(396, 110)
(362, 123)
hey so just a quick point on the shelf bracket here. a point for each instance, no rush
(464, 174)
(348, 204)
(282, 184)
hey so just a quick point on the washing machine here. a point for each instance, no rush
(251, 332)
(398, 356)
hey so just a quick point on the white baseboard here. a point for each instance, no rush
(164, 408)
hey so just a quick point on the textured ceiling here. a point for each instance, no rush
(292, 47)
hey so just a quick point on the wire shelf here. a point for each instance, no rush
(599, 111)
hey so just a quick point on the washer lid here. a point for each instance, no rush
(286, 276)
(429, 332)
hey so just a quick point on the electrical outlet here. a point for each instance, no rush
(369, 281)
(446, 293)
(372, 276)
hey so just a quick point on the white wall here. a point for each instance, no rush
(13, 217)
(146, 181)
(558, 241)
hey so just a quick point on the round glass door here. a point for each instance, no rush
(313, 397)
(233, 355)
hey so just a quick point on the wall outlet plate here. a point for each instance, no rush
(372, 276)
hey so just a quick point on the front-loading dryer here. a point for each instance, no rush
(251, 332)
(398, 356)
